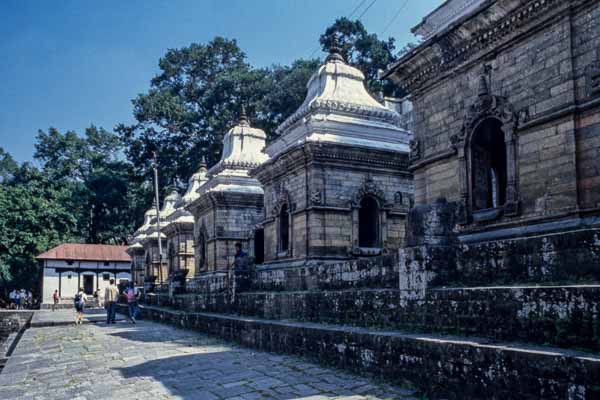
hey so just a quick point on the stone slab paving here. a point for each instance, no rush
(156, 361)
(66, 316)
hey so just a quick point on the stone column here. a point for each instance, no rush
(464, 186)
(511, 207)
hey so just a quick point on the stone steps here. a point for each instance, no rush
(563, 316)
(441, 366)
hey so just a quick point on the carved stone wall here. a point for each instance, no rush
(180, 250)
(542, 76)
(225, 219)
(152, 261)
(323, 186)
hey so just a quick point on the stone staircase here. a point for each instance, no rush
(515, 342)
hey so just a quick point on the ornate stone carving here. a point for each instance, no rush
(415, 150)
(368, 188)
(281, 197)
(427, 65)
(487, 105)
(328, 106)
(522, 117)
(316, 197)
(398, 198)
(592, 79)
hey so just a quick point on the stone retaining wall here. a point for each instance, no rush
(571, 256)
(12, 321)
(375, 272)
(564, 316)
(454, 368)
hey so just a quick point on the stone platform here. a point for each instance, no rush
(563, 316)
(157, 361)
(455, 367)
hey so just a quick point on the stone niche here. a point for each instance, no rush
(228, 208)
(336, 185)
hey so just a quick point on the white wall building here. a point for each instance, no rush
(89, 266)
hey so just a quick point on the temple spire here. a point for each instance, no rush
(243, 117)
(335, 53)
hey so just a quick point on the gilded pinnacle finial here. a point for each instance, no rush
(335, 53)
(243, 117)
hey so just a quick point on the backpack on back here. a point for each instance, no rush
(77, 298)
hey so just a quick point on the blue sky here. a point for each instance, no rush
(71, 63)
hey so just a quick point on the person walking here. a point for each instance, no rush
(54, 299)
(79, 301)
(132, 303)
(111, 294)
(29, 300)
(18, 299)
(12, 297)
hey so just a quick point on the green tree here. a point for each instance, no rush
(196, 98)
(8, 166)
(36, 215)
(98, 179)
(362, 49)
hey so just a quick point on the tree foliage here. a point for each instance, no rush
(36, 215)
(8, 166)
(98, 179)
(197, 97)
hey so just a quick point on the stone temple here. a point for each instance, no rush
(337, 184)
(463, 255)
(229, 205)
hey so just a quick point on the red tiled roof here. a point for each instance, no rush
(87, 252)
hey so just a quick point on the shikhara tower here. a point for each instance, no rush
(336, 185)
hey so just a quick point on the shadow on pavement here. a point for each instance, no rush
(229, 373)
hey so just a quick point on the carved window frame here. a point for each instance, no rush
(369, 188)
(201, 249)
(283, 199)
(171, 255)
(485, 108)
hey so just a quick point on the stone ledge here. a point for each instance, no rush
(440, 366)
(563, 316)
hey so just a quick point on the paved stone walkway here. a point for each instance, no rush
(67, 317)
(155, 361)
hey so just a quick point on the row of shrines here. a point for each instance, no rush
(505, 159)
(334, 185)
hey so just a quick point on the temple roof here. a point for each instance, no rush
(180, 214)
(86, 252)
(444, 16)
(243, 150)
(243, 147)
(338, 108)
(195, 182)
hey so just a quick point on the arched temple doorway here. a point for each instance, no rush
(284, 228)
(368, 222)
(488, 165)
(259, 246)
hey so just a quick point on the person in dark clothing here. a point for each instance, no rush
(239, 253)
